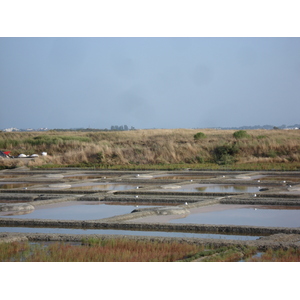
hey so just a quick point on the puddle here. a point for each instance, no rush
(181, 177)
(249, 177)
(89, 186)
(256, 255)
(212, 188)
(230, 214)
(128, 233)
(75, 210)
(54, 176)
(60, 186)
(84, 177)
(103, 186)
(144, 176)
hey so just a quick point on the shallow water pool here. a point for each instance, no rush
(180, 177)
(212, 188)
(103, 186)
(128, 233)
(75, 211)
(230, 214)
(241, 215)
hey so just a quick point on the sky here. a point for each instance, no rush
(148, 81)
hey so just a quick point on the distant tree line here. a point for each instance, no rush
(121, 128)
(112, 128)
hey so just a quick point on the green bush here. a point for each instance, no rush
(224, 154)
(241, 134)
(56, 140)
(199, 159)
(272, 154)
(199, 135)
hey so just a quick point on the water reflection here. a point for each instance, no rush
(214, 188)
(241, 215)
(103, 186)
(181, 177)
(78, 211)
(228, 189)
(128, 233)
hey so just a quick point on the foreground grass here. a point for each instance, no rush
(127, 250)
(280, 255)
(111, 250)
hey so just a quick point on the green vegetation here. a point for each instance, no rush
(241, 134)
(225, 154)
(199, 135)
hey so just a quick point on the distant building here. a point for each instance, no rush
(10, 129)
(121, 128)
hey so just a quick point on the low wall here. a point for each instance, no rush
(246, 230)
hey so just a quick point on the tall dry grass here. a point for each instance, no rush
(150, 147)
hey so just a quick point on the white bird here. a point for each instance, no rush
(255, 208)
(254, 195)
(136, 196)
(258, 180)
(186, 203)
(137, 187)
(191, 180)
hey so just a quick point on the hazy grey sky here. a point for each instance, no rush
(149, 82)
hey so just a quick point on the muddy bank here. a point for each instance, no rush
(16, 207)
(196, 228)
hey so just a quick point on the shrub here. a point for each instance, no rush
(200, 159)
(241, 134)
(224, 154)
(199, 135)
(100, 157)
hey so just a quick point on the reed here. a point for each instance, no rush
(278, 255)
(110, 250)
(131, 250)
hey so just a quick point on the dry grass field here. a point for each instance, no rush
(155, 149)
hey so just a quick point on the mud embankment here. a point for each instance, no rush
(276, 241)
